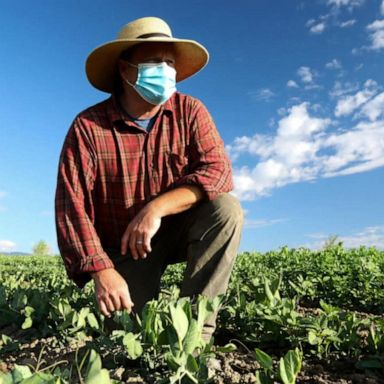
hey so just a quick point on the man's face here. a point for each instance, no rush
(147, 53)
(153, 53)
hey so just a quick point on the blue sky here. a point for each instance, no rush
(296, 89)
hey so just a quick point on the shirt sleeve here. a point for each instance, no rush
(209, 165)
(78, 240)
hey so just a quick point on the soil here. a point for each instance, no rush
(236, 367)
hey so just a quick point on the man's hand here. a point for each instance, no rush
(147, 222)
(139, 233)
(111, 291)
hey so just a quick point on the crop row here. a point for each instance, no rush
(293, 304)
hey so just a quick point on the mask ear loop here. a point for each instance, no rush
(127, 81)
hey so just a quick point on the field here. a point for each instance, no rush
(291, 315)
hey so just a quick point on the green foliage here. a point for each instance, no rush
(94, 373)
(288, 368)
(41, 249)
(325, 304)
(169, 335)
(331, 242)
(352, 279)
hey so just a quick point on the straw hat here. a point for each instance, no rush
(190, 56)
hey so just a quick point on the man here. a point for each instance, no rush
(143, 176)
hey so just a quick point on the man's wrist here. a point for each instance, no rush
(97, 274)
(175, 201)
(155, 208)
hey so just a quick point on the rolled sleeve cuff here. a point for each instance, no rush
(210, 191)
(80, 273)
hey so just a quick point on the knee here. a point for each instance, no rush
(222, 215)
(229, 209)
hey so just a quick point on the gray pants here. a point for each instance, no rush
(206, 237)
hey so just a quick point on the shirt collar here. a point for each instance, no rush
(117, 114)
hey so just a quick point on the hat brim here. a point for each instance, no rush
(100, 67)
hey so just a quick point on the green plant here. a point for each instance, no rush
(169, 333)
(288, 368)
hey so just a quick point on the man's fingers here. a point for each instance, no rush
(133, 246)
(125, 242)
(140, 247)
(109, 304)
(111, 291)
(116, 302)
(126, 302)
(103, 308)
(147, 242)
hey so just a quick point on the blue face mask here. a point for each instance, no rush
(156, 82)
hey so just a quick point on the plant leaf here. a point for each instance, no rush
(101, 377)
(132, 346)
(27, 323)
(192, 365)
(95, 374)
(94, 364)
(92, 321)
(290, 366)
(179, 320)
(312, 338)
(20, 372)
(230, 347)
(192, 339)
(264, 359)
(6, 378)
(40, 378)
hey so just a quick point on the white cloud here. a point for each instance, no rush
(259, 145)
(306, 74)
(357, 150)
(264, 94)
(348, 23)
(369, 237)
(310, 22)
(259, 223)
(377, 35)
(292, 84)
(359, 67)
(374, 108)
(348, 104)
(334, 64)
(318, 28)
(377, 24)
(331, 19)
(346, 3)
(298, 124)
(285, 157)
(312, 86)
(7, 246)
(341, 89)
(303, 149)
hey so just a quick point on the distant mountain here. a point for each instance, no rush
(15, 254)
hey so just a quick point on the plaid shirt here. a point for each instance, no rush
(110, 168)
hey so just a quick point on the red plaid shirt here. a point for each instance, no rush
(110, 168)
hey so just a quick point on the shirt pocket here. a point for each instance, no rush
(177, 164)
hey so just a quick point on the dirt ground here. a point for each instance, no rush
(235, 367)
